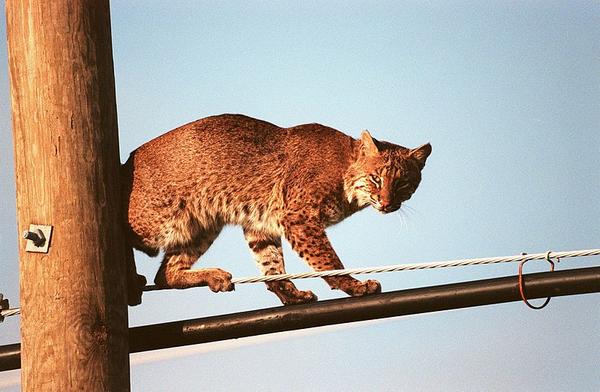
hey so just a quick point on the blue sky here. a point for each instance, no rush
(507, 93)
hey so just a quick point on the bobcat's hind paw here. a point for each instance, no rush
(135, 290)
(220, 280)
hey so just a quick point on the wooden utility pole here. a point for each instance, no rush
(73, 299)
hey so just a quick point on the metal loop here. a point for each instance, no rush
(521, 286)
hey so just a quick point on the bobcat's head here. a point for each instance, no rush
(384, 174)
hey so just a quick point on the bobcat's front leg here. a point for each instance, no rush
(269, 257)
(309, 240)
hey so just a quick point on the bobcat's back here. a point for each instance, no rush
(225, 169)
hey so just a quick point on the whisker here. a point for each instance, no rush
(402, 218)
(410, 211)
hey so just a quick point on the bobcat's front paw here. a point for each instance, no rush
(367, 287)
(300, 297)
(220, 280)
(357, 288)
(289, 294)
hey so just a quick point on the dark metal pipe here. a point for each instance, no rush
(337, 311)
(10, 357)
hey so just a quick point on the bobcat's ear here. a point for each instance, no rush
(368, 146)
(420, 154)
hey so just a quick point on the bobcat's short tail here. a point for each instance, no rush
(135, 282)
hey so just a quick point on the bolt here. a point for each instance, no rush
(37, 237)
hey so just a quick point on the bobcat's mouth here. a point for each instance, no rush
(387, 208)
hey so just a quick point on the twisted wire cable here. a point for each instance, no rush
(410, 267)
(389, 268)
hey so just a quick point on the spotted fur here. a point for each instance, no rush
(184, 186)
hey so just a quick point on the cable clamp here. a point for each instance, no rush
(521, 286)
(4, 305)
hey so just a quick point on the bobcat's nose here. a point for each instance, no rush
(386, 206)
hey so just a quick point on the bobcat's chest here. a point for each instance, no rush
(335, 211)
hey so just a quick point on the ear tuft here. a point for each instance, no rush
(421, 154)
(368, 145)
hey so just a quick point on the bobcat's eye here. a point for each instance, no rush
(375, 180)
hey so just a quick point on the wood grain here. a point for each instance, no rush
(73, 300)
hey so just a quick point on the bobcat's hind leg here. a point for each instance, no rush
(175, 270)
(269, 257)
(135, 282)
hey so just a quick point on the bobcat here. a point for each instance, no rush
(181, 188)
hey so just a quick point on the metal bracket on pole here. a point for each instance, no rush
(38, 238)
(4, 305)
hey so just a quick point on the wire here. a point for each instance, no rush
(390, 268)
(409, 267)
(10, 312)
